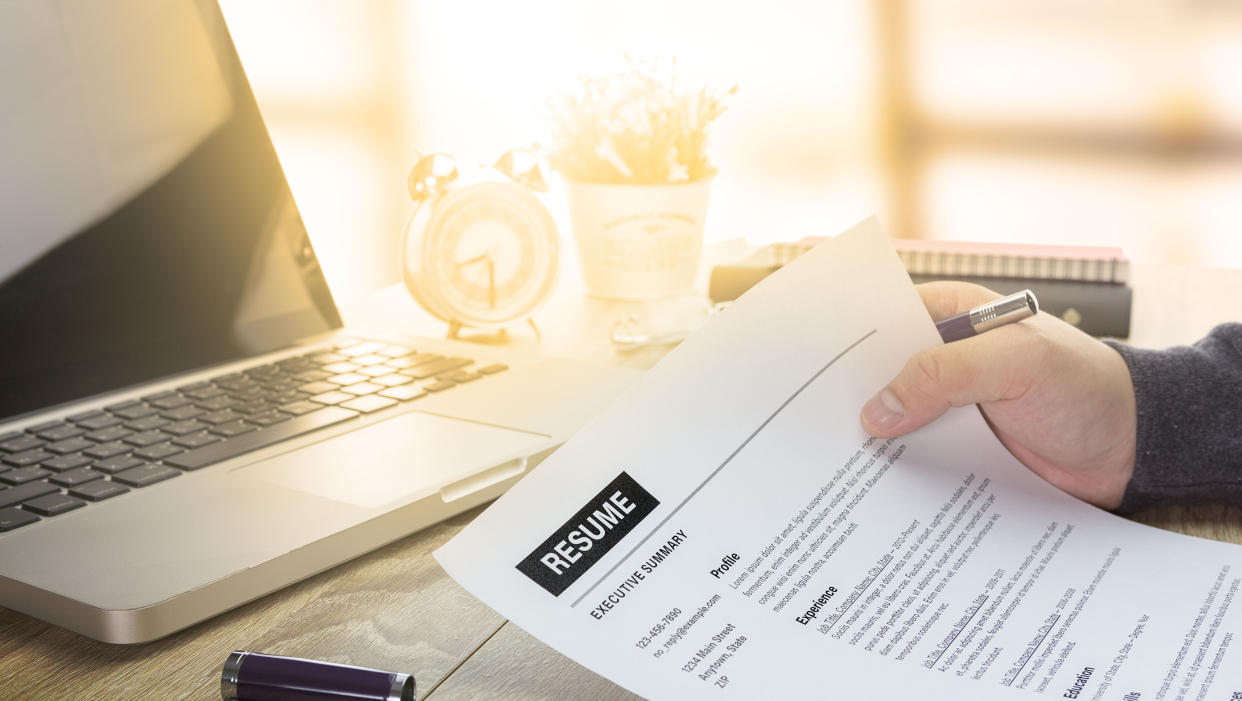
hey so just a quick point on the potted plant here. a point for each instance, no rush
(632, 149)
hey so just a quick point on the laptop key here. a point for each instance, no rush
(337, 369)
(237, 384)
(29, 457)
(403, 392)
(422, 372)
(82, 416)
(73, 478)
(183, 413)
(369, 359)
(331, 397)
(196, 440)
(66, 462)
(53, 504)
(16, 495)
(245, 395)
(267, 418)
(145, 475)
(421, 358)
(158, 451)
(107, 435)
(462, 376)
(318, 387)
(23, 475)
(392, 380)
(107, 450)
(220, 417)
(98, 490)
(181, 428)
(369, 403)
(205, 392)
(312, 375)
(302, 406)
(116, 464)
(22, 443)
(232, 428)
(281, 387)
(376, 370)
(362, 388)
(137, 411)
(219, 403)
(279, 398)
(69, 445)
(296, 426)
(147, 423)
(97, 421)
(146, 438)
(254, 406)
(402, 362)
(265, 370)
(493, 368)
(440, 385)
(170, 402)
(60, 432)
(13, 518)
(347, 378)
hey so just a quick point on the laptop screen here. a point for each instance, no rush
(146, 227)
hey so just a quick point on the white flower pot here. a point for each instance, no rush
(638, 241)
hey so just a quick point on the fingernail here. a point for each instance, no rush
(883, 410)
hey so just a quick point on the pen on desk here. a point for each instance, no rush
(251, 676)
(972, 322)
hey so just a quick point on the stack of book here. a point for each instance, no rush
(1084, 285)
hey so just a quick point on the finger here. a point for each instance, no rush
(946, 298)
(979, 369)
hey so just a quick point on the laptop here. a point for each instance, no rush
(184, 424)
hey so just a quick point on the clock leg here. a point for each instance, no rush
(499, 336)
(454, 332)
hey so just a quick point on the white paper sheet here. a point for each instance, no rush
(727, 530)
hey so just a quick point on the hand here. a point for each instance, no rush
(1059, 400)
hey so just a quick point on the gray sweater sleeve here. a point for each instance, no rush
(1189, 402)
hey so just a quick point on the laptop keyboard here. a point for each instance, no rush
(63, 465)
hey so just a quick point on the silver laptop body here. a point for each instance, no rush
(154, 277)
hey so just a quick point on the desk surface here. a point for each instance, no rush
(396, 609)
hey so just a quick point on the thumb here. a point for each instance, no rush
(951, 375)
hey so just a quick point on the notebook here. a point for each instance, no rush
(184, 424)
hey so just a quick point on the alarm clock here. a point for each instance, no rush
(480, 250)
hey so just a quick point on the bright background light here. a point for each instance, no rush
(1106, 123)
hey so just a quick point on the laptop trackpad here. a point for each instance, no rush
(409, 455)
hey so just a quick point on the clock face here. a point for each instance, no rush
(487, 255)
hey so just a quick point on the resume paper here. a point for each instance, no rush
(726, 530)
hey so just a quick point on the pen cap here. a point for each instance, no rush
(1005, 310)
(250, 676)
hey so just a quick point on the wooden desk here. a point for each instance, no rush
(396, 609)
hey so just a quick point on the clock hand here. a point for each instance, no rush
(491, 282)
(476, 259)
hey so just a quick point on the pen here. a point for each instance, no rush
(972, 322)
(250, 676)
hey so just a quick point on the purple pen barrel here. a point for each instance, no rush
(250, 676)
(955, 328)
